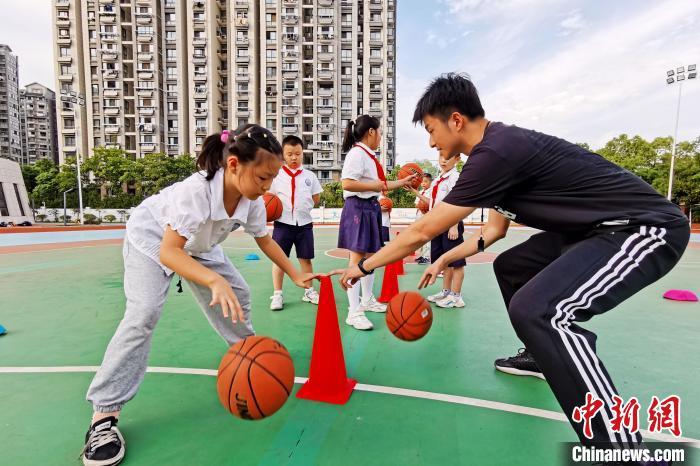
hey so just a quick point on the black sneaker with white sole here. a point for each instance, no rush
(521, 364)
(104, 444)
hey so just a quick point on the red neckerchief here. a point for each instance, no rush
(293, 177)
(380, 170)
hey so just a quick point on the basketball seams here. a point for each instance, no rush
(243, 358)
(405, 320)
(252, 391)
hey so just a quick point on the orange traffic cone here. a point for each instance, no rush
(390, 284)
(328, 381)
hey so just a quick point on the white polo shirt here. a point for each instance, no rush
(195, 209)
(306, 185)
(359, 166)
(445, 182)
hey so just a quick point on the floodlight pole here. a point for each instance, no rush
(673, 147)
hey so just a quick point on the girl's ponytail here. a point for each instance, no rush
(209, 158)
(357, 129)
(349, 136)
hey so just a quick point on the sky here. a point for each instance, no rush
(585, 71)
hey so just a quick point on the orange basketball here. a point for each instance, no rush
(273, 206)
(409, 316)
(410, 169)
(386, 203)
(256, 376)
(423, 206)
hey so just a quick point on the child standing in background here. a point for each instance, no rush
(300, 191)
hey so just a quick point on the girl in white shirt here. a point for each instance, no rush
(179, 231)
(363, 179)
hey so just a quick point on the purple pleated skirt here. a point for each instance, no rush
(361, 225)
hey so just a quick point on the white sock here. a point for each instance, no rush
(309, 289)
(367, 288)
(354, 298)
(456, 295)
(279, 292)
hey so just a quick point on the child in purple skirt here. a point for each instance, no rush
(361, 220)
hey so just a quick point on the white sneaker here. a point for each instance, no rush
(359, 321)
(433, 298)
(373, 306)
(310, 296)
(277, 303)
(450, 301)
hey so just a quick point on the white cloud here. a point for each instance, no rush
(573, 22)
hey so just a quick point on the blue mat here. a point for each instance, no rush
(3, 330)
(252, 257)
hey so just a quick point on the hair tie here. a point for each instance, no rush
(224, 136)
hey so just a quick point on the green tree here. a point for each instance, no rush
(332, 195)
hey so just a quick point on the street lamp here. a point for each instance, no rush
(75, 100)
(678, 75)
(65, 214)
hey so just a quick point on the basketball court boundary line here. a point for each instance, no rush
(405, 392)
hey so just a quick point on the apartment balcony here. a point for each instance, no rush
(66, 60)
(221, 37)
(221, 104)
(112, 110)
(325, 111)
(147, 111)
(108, 37)
(325, 36)
(290, 37)
(290, 55)
(145, 75)
(325, 20)
(325, 75)
(201, 112)
(145, 93)
(376, 112)
(145, 56)
(199, 41)
(290, 93)
(325, 3)
(290, 129)
(242, 93)
(148, 147)
(242, 40)
(222, 71)
(242, 112)
(143, 20)
(346, 38)
(290, 74)
(223, 122)
(289, 2)
(112, 129)
(63, 41)
(66, 78)
(290, 19)
(376, 77)
(323, 92)
(375, 5)
(325, 56)
(200, 93)
(146, 127)
(325, 128)
(241, 4)
(200, 77)
(110, 74)
(199, 59)
(376, 60)
(62, 4)
(325, 145)
(290, 110)
(240, 23)
(376, 42)
(144, 38)
(242, 77)
(198, 6)
(62, 22)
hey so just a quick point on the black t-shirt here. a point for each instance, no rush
(553, 185)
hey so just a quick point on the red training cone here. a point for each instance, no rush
(399, 267)
(390, 284)
(328, 381)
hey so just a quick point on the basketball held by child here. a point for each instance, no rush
(412, 169)
(386, 203)
(255, 377)
(423, 206)
(273, 206)
(409, 316)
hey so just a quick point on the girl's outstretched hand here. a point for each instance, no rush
(222, 294)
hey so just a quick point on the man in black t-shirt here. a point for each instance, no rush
(606, 234)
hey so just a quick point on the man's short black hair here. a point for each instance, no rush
(292, 141)
(448, 93)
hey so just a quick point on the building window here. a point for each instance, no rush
(3, 203)
(19, 200)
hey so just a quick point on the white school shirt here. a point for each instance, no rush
(386, 216)
(449, 181)
(359, 166)
(195, 209)
(306, 185)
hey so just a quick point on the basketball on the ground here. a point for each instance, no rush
(409, 316)
(255, 378)
(423, 206)
(386, 203)
(273, 206)
(410, 169)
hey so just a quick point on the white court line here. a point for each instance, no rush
(455, 399)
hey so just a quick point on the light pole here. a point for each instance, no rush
(64, 205)
(677, 75)
(76, 100)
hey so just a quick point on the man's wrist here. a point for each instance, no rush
(360, 265)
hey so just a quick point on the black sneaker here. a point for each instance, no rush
(423, 260)
(521, 364)
(104, 444)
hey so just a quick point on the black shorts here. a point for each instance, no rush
(441, 244)
(299, 236)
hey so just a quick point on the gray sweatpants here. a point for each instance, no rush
(146, 287)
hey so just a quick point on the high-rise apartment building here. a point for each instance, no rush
(159, 75)
(10, 130)
(38, 122)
